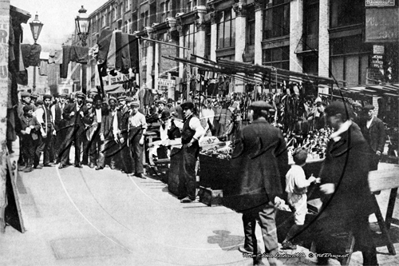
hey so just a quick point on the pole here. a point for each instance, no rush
(84, 78)
(34, 79)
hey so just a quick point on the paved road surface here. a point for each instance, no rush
(86, 217)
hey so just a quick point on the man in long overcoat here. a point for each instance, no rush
(344, 183)
(260, 161)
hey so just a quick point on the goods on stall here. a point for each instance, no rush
(221, 150)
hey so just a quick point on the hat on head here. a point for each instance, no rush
(318, 100)
(89, 100)
(300, 156)
(25, 94)
(187, 105)
(34, 95)
(165, 115)
(368, 107)
(27, 108)
(47, 96)
(161, 101)
(261, 105)
(338, 107)
(112, 99)
(129, 99)
(135, 104)
(80, 94)
(122, 98)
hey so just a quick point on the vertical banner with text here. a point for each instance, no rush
(4, 32)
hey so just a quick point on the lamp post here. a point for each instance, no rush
(82, 27)
(35, 27)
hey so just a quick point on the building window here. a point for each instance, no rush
(226, 30)
(124, 29)
(276, 19)
(277, 57)
(189, 38)
(144, 19)
(342, 12)
(130, 27)
(250, 30)
(104, 18)
(349, 59)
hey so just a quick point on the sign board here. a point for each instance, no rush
(378, 49)
(380, 3)
(377, 61)
(382, 25)
(324, 90)
(374, 75)
(166, 82)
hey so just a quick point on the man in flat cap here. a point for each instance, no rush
(260, 163)
(30, 130)
(24, 100)
(109, 135)
(88, 118)
(125, 112)
(59, 123)
(33, 98)
(374, 132)
(45, 118)
(344, 184)
(73, 114)
(137, 127)
(95, 142)
(191, 132)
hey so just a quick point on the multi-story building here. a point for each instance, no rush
(319, 37)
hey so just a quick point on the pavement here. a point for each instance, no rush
(84, 217)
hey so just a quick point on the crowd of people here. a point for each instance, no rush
(112, 132)
(102, 132)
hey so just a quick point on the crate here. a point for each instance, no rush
(214, 172)
(210, 197)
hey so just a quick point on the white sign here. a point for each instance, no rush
(380, 2)
(378, 49)
(166, 82)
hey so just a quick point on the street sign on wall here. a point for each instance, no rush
(382, 25)
(379, 3)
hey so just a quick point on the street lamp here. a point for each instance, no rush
(82, 27)
(35, 27)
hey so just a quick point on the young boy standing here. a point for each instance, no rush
(296, 187)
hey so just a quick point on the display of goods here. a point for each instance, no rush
(222, 150)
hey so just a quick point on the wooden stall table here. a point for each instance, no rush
(385, 179)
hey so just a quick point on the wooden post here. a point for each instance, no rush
(4, 31)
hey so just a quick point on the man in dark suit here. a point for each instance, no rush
(109, 134)
(59, 123)
(259, 163)
(127, 160)
(344, 184)
(73, 114)
(374, 132)
(93, 132)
